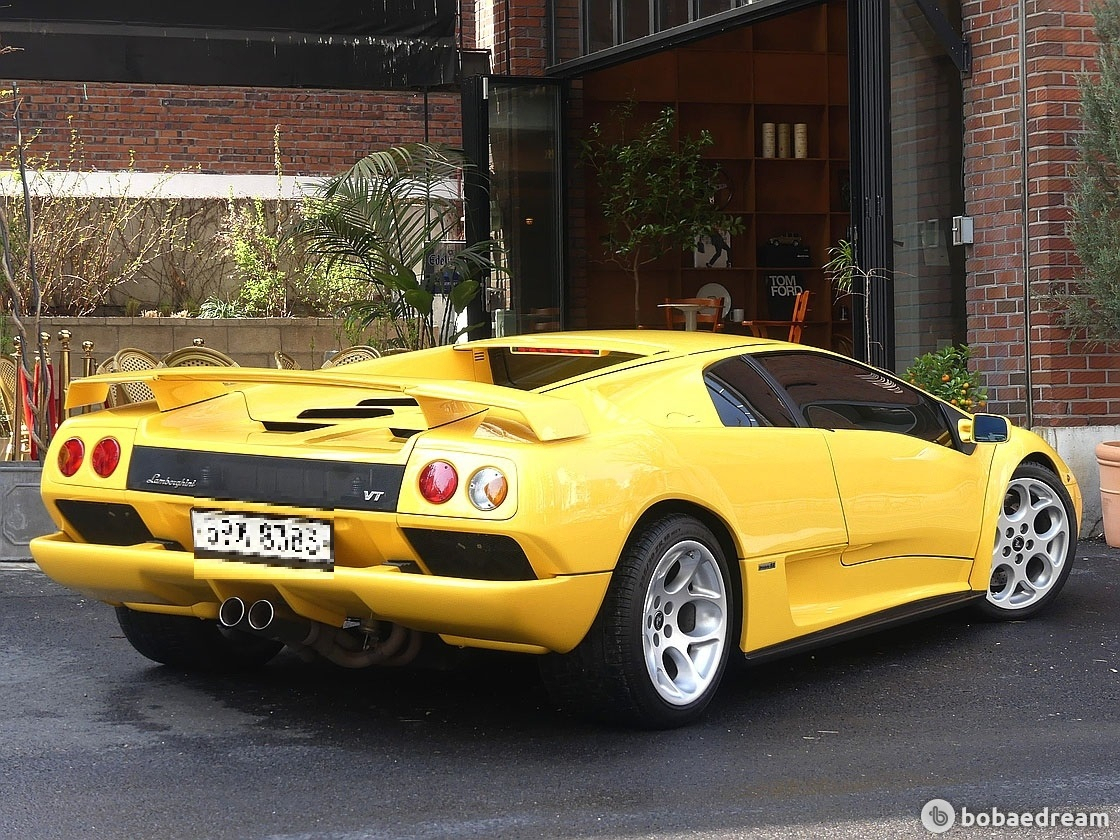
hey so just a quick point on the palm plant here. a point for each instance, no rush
(386, 218)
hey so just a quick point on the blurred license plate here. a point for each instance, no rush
(294, 541)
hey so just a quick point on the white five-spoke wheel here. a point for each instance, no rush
(1034, 547)
(686, 622)
(660, 644)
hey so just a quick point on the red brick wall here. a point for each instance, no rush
(227, 130)
(1071, 383)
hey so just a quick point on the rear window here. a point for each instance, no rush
(536, 367)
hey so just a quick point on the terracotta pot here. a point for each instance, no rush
(1108, 458)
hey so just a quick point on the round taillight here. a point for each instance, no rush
(106, 455)
(487, 488)
(438, 482)
(70, 456)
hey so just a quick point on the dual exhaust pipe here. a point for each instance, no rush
(257, 616)
(342, 648)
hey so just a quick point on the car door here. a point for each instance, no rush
(781, 488)
(912, 494)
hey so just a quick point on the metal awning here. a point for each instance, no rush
(370, 45)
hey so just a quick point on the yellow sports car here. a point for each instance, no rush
(633, 507)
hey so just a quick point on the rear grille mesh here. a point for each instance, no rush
(102, 523)
(460, 554)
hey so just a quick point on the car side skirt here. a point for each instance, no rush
(863, 626)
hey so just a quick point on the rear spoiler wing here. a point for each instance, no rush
(441, 401)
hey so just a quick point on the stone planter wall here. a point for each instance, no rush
(22, 513)
(250, 341)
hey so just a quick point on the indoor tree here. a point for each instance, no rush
(657, 192)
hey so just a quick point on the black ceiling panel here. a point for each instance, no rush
(376, 45)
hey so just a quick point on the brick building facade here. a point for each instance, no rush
(228, 131)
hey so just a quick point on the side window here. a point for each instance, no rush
(834, 393)
(743, 397)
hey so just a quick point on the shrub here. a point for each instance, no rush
(945, 374)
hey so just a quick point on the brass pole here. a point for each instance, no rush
(63, 371)
(87, 366)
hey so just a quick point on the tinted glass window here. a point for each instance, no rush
(743, 397)
(528, 370)
(833, 393)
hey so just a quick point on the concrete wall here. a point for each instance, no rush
(250, 341)
(1077, 445)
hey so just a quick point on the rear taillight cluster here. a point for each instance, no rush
(104, 458)
(486, 489)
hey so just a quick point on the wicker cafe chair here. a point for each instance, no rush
(349, 355)
(130, 359)
(284, 361)
(197, 357)
(8, 377)
(116, 393)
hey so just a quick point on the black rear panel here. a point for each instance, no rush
(299, 482)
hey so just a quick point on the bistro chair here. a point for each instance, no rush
(284, 361)
(131, 359)
(349, 355)
(794, 324)
(197, 356)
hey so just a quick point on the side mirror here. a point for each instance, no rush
(984, 428)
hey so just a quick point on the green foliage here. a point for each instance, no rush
(380, 221)
(216, 307)
(945, 374)
(842, 268)
(275, 275)
(656, 191)
(253, 244)
(1092, 303)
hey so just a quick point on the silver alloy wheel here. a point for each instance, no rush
(685, 623)
(1032, 544)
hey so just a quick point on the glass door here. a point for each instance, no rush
(513, 131)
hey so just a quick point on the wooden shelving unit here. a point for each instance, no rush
(789, 69)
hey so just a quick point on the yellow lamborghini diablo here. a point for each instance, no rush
(632, 507)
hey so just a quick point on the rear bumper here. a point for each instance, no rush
(552, 614)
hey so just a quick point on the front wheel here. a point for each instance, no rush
(192, 643)
(1035, 545)
(659, 646)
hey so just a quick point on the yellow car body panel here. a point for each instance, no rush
(819, 538)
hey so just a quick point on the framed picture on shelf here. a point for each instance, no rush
(781, 289)
(712, 250)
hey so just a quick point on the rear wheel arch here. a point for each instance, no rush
(714, 523)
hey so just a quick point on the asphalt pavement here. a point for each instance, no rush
(850, 741)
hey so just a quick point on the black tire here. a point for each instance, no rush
(194, 644)
(634, 666)
(1036, 541)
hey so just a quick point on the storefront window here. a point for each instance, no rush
(926, 154)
